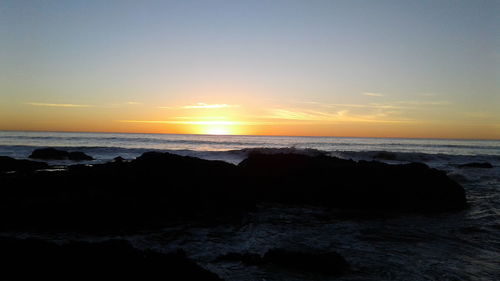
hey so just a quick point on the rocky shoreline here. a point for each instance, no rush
(29, 259)
(158, 189)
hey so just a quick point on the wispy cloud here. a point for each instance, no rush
(194, 122)
(370, 105)
(200, 105)
(134, 103)
(370, 94)
(292, 115)
(201, 117)
(409, 104)
(386, 105)
(58, 104)
(209, 106)
(345, 115)
(423, 103)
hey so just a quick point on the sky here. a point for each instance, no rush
(425, 69)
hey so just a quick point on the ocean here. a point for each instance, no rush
(106, 146)
(463, 245)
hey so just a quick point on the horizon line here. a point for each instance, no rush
(257, 135)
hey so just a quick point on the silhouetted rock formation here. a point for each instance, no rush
(157, 188)
(292, 178)
(10, 164)
(49, 154)
(246, 258)
(32, 259)
(484, 165)
(56, 154)
(324, 263)
(118, 159)
(79, 156)
(154, 189)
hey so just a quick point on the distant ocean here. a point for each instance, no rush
(106, 146)
(456, 246)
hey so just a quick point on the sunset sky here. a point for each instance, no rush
(321, 68)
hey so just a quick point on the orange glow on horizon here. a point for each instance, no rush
(251, 118)
(217, 130)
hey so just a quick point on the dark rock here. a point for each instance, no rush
(246, 258)
(49, 154)
(284, 150)
(157, 188)
(11, 164)
(384, 155)
(150, 191)
(484, 165)
(346, 184)
(32, 259)
(118, 159)
(79, 156)
(56, 154)
(324, 263)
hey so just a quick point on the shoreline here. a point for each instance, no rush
(192, 185)
(170, 202)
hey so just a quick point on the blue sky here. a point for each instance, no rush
(429, 63)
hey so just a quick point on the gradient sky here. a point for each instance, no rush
(329, 68)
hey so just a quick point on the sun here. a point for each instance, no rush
(217, 130)
(214, 127)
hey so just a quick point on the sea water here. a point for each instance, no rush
(106, 146)
(463, 245)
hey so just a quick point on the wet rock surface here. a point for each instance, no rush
(57, 154)
(328, 263)
(33, 259)
(159, 187)
(8, 164)
(338, 183)
(295, 203)
(324, 263)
